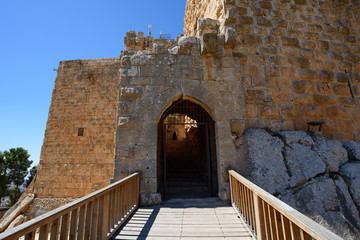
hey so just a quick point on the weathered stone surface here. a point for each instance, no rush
(332, 153)
(230, 38)
(150, 199)
(302, 163)
(186, 43)
(353, 149)
(207, 25)
(327, 202)
(351, 173)
(208, 43)
(263, 163)
(297, 137)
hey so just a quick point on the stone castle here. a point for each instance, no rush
(241, 64)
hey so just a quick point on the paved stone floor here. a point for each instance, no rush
(207, 218)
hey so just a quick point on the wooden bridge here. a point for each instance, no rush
(113, 213)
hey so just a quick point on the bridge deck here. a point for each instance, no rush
(186, 219)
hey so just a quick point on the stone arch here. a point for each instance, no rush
(186, 161)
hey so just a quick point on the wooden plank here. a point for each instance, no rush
(80, 235)
(54, 231)
(270, 221)
(277, 221)
(258, 223)
(43, 233)
(252, 214)
(64, 227)
(100, 217)
(110, 210)
(105, 224)
(87, 229)
(265, 220)
(285, 227)
(73, 224)
(94, 219)
(231, 188)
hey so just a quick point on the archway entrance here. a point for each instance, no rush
(186, 153)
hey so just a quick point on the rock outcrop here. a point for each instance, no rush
(318, 177)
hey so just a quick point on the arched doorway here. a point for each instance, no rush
(186, 152)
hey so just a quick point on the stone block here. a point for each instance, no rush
(237, 126)
(312, 112)
(348, 102)
(299, 62)
(250, 39)
(287, 111)
(342, 90)
(130, 39)
(207, 25)
(256, 96)
(230, 38)
(336, 112)
(186, 43)
(208, 43)
(260, 81)
(324, 99)
(262, 21)
(305, 52)
(265, 5)
(308, 74)
(308, 44)
(268, 50)
(251, 110)
(131, 92)
(129, 71)
(327, 76)
(269, 112)
(241, 11)
(324, 45)
(290, 42)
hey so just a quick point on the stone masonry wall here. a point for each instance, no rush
(85, 96)
(298, 59)
(154, 74)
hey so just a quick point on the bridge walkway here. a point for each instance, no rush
(207, 218)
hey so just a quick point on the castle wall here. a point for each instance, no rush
(84, 96)
(293, 56)
(151, 79)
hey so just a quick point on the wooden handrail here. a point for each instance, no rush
(269, 217)
(94, 216)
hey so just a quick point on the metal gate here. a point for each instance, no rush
(197, 113)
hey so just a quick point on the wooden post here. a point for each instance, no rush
(258, 223)
(80, 235)
(73, 224)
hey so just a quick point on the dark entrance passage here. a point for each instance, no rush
(187, 164)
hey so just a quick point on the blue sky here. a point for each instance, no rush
(35, 35)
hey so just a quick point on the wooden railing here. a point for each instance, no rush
(269, 217)
(95, 216)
